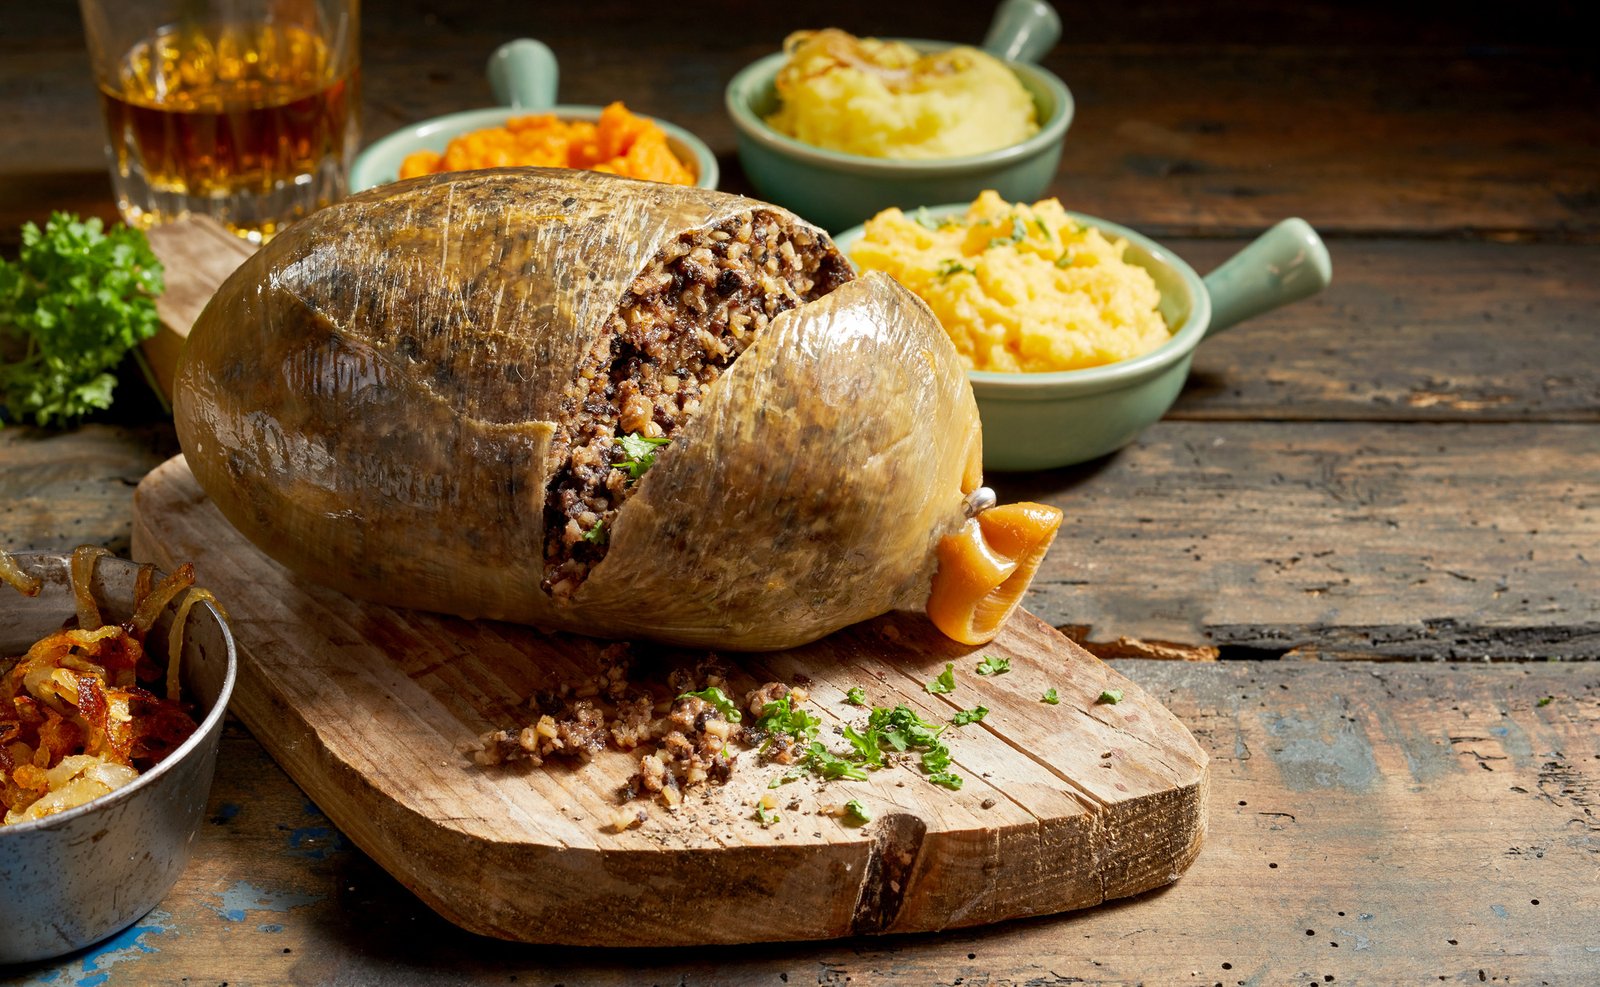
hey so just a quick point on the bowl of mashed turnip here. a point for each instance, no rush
(1076, 333)
(836, 127)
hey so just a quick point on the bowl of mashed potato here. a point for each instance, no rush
(836, 127)
(1076, 332)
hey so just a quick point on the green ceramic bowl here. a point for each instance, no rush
(523, 75)
(1042, 420)
(836, 190)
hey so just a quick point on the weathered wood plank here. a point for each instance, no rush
(1433, 541)
(1413, 331)
(1424, 821)
(62, 489)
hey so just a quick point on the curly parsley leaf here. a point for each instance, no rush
(857, 811)
(74, 303)
(1547, 700)
(766, 817)
(781, 716)
(597, 535)
(719, 699)
(1110, 697)
(640, 453)
(902, 729)
(973, 715)
(946, 682)
(830, 765)
(994, 666)
(1050, 696)
(868, 746)
(857, 696)
(948, 779)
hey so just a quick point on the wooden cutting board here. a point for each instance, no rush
(370, 710)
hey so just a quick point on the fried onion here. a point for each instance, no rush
(75, 720)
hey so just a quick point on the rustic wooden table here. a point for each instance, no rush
(1380, 509)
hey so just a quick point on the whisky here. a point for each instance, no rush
(254, 124)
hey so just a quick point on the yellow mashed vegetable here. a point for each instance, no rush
(884, 99)
(1020, 288)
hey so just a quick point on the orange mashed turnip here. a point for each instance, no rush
(621, 143)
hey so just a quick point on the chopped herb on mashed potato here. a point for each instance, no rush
(1020, 288)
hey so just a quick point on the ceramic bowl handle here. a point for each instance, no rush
(523, 75)
(1285, 264)
(1022, 30)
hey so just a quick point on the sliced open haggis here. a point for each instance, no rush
(682, 321)
(448, 393)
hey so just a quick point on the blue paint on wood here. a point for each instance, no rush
(316, 842)
(91, 968)
(241, 899)
(1321, 748)
(1499, 910)
(269, 927)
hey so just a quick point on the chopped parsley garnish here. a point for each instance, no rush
(788, 776)
(1042, 228)
(948, 779)
(1050, 696)
(716, 697)
(641, 453)
(899, 729)
(952, 267)
(1110, 697)
(1547, 700)
(866, 746)
(902, 728)
(946, 682)
(994, 666)
(1065, 260)
(973, 715)
(1018, 234)
(782, 717)
(857, 811)
(597, 535)
(766, 817)
(857, 696)
(830, 765)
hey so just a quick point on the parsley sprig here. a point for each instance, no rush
(946, 682)
(991, 665)
(640, 454)
(719, 699)
(973, 715)
(76, 300)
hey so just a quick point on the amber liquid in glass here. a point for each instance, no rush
(252, 124)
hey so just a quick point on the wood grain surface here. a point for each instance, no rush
(369, 709)
(1425, 821)
(1430, 823)
(1362, 118)
(1436, 541)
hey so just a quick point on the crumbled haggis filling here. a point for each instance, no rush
(688, 740)
(683, 321)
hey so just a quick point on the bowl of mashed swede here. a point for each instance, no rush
(836, 127)
(1076, 332)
